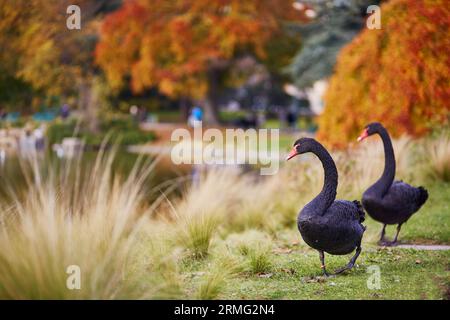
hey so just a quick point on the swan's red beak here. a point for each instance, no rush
(293, 153)
(363, 135)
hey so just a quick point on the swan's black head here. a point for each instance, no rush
(369, 130)
(302, 145)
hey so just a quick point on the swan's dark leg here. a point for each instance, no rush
(382, 241)
(399, 227)
(322, 260)
(351, 263)
(394, 242)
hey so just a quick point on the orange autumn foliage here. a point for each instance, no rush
(398, 75)
(172, 44)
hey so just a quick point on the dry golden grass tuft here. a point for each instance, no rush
(88, 219)
(436, 157)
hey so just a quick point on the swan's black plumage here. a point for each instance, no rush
(327, 225)
(388, 201)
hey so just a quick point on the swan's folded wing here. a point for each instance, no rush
(404, 196)
(347, 210)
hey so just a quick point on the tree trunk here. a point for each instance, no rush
(184, 108)
(210, 104)
(211, 114)
(88, 103)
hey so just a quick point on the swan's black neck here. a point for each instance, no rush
(384, 183)
(328, 194)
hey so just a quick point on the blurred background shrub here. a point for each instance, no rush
(396, 75)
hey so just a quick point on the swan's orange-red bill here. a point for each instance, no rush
(363, 135)
(292, 154)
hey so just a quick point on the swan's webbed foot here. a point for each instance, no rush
(383, 242)
(351, 263)
(341, 270)
(325, 273)
(349, 266)
(389, 243)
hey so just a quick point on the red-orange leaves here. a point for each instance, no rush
(171, 44)
(399, 75)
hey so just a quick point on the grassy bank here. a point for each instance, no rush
(120, 128)
(233, 236)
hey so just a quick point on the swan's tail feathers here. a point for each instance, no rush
(423, 196)
(361, 213)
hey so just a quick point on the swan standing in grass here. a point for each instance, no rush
(388, 201)
(325, 224)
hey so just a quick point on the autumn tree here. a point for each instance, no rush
(398, 75)
(182, 47)
(39, 49)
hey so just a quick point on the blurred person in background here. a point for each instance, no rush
(39, 138)
(65, 111)
(291, 116)
(195, 118)
(134, 110)
(3, 114)
(27, 142)
(142, 114)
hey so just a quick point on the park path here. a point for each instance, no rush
(432, 247)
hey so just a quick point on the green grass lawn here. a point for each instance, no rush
(294, 273)
(404, 274)
(168, 116)
(288, 269)
(432, 222)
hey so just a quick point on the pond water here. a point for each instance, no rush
(12, 177)
(13, 171)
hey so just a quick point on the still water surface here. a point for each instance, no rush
(12, 177)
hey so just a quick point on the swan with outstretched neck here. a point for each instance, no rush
(325, 224)
(388, 201)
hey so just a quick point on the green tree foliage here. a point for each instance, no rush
(336, 23)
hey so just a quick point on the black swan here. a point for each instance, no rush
(388, 201)
(327, 225)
